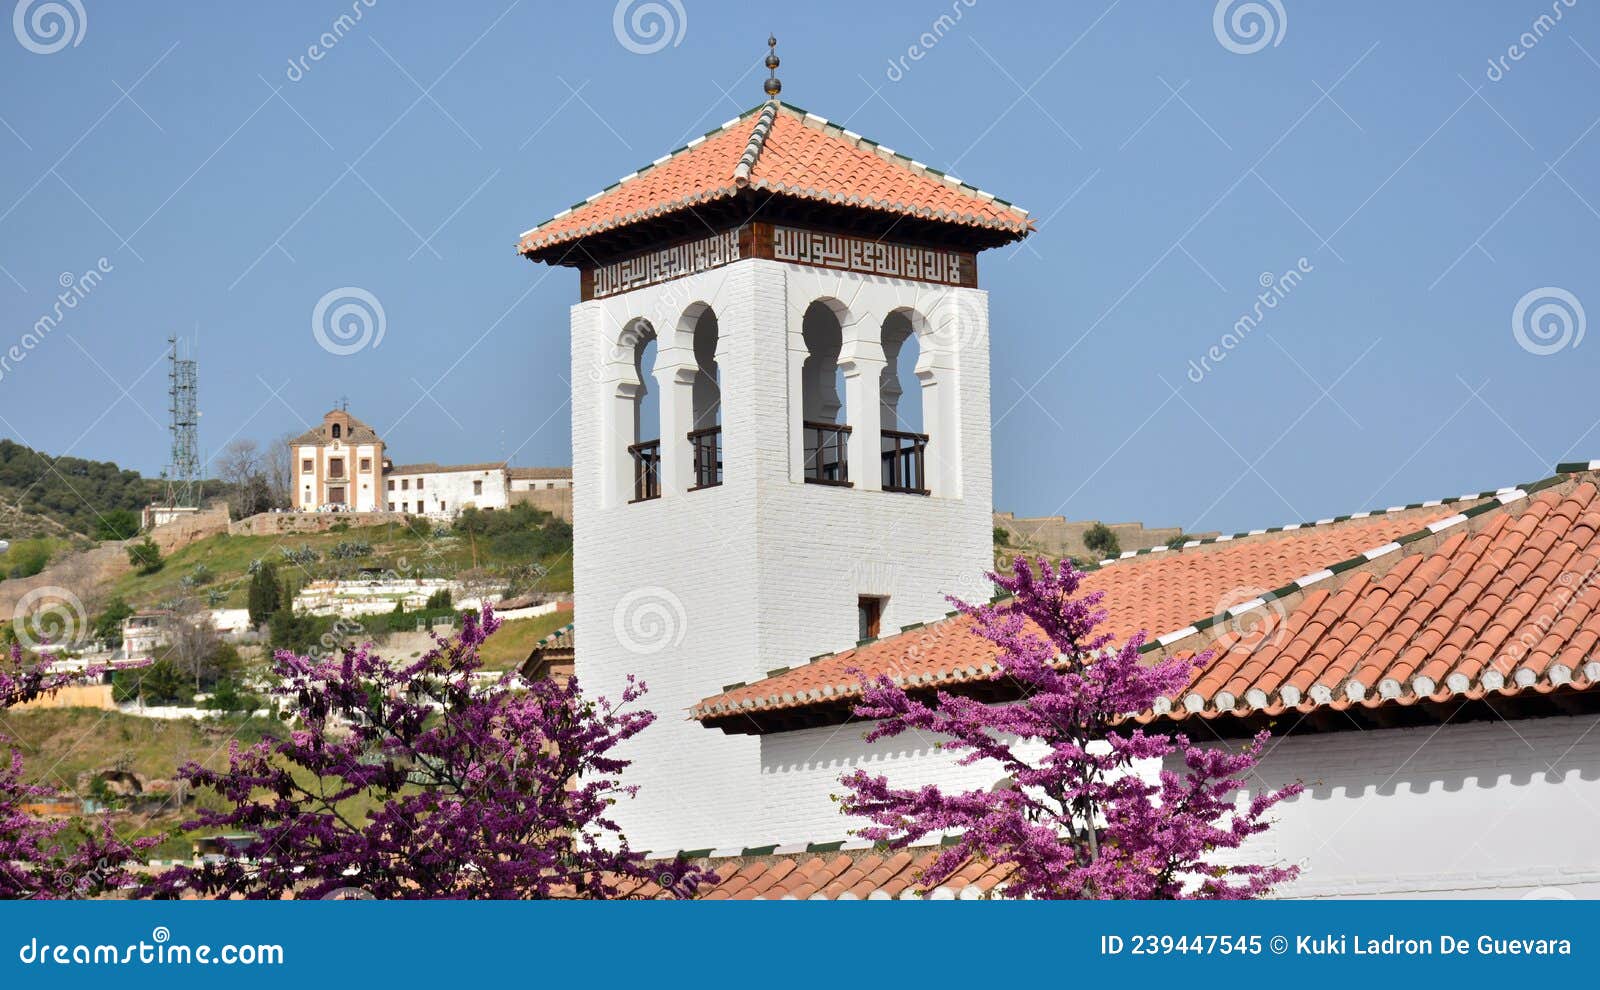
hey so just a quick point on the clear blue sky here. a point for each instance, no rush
(1167, 173)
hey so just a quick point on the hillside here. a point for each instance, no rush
(42, 495)
(520, 548)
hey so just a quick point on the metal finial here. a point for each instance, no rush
(772, 86)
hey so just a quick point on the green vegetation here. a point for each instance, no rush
(117, 524)
(108, 624)
(515, 639)
(145, 557)
(407, 548)
(28, 557)
(1102, 541)
(73, 492)
(1001, 537)
(265, 595)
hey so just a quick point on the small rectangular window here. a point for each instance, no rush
(305, 466)
(405, 484)
(366, 465)
(391, 506)
(419, 483)
(477, 488)
(869, 616)
(391, 484)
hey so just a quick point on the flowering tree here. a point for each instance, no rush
(35, 859)
(420, 780)
(1077, 820)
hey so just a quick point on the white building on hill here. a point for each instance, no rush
(340, 466)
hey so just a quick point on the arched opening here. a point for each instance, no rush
(824, 419)
(900, 399)
(645, 450)
(705, 424)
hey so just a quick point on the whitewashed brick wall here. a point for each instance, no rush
(1476, 810)
(763, 571)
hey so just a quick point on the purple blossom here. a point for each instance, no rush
(1075, 819)
(418, 780)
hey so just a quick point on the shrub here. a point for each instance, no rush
(1102, 541)
(145, 556)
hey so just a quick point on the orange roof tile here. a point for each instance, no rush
(827, 873)
(1482, 597)
(784, 151)
(1509, 600)
(1156, 592)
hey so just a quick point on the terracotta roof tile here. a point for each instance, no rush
(1481, 601)
(788, 152)
(1157, 592)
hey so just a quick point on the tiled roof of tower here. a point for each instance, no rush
(359, 433)
(784, 151)
(1412, 604)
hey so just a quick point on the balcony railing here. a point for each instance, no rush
(707, 447)
(827, 453)
(903, 456)
(646, 470)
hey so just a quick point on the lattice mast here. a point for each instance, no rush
(183, 407)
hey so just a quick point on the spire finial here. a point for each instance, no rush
(772, 86)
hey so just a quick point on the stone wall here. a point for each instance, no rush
(556, 501)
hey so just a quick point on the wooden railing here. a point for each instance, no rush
(707, 447)
(903, 457)
(646, 470)
(827, 448)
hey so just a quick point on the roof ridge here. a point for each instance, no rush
(1496, 500)
(687, 146)
(758, 141)
(1561, 470)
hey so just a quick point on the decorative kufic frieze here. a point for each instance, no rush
(665, 264)
(860, 254)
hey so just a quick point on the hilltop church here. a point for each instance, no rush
(781, 438)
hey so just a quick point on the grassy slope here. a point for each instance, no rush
(228, 558)
(510, 645)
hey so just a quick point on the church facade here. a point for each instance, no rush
(781, 436)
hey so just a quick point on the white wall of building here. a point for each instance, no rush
(696, 590)
(1481, 809)
(361, 485)
(444, 494)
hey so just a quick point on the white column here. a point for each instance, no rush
(862, 362)
(675, 374)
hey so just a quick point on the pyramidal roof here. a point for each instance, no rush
(784, 152)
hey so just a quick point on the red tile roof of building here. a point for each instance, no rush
(787, 152)
(1489, 606)
(1407, 605)
(828, 873)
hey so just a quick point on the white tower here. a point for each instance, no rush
(780, 429)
